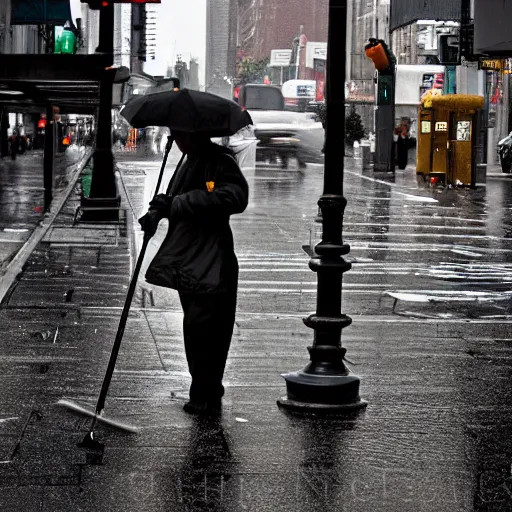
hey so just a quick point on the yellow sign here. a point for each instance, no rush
(492, 64)
(441, 127)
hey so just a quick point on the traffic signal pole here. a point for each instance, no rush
(385, 64)
(384, 126)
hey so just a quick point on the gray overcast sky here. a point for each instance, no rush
(181, 30)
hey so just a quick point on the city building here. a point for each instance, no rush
(266, 25)
(122, 35)
(221, 23)
(194, 75)
(5, 27)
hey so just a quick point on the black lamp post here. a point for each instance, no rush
(326, 384)
(103, 179)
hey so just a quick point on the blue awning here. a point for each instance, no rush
(35, 12)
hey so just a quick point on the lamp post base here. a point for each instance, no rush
(327, 394)
(327, 409)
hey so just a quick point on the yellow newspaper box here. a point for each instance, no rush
(446, 139)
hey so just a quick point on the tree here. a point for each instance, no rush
(251, 71)
(354, 129)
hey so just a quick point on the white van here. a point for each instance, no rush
(298, 94)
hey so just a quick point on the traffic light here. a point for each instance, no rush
(385, 90)
(383, 60)
(449, 50)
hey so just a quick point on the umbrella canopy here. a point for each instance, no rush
(187, 111)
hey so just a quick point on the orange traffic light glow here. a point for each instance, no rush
(379, 57)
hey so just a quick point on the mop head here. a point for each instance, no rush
(86, 412)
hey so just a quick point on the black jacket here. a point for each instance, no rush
(197, 254)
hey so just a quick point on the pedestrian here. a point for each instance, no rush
(15, 144)
(402, 144)
(197, 258)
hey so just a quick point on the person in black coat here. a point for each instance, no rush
(402, 144)
(197, 258)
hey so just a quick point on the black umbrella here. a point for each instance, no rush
(187, 111)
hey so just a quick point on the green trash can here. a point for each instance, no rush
(86, 181)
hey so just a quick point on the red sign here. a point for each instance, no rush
(320, 83)
(319, 77)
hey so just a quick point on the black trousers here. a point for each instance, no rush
(208, 323)
(402, 149)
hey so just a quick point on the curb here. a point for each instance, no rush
(499, 175)
(16, 265)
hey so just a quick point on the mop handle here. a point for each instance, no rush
(129, 297)
(120, 331)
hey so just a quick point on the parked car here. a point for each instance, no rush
(505, 153)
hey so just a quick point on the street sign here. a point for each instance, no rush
(280, 58)
(491, 64)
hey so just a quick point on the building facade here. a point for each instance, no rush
(266, 25)
(221, 28)
(5, 26)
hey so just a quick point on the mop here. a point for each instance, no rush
(97, 416)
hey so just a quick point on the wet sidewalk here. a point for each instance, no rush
(435, 436)
(22, 203)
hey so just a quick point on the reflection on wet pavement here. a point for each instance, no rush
(436, 373)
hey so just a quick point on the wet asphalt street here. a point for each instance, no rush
(416, 251)
(429, 295)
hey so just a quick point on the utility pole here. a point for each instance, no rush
(326, 384)
(103, 184)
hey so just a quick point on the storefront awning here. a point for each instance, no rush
(40, 12)
(31, 82)
(405, 12)
(492, 28)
